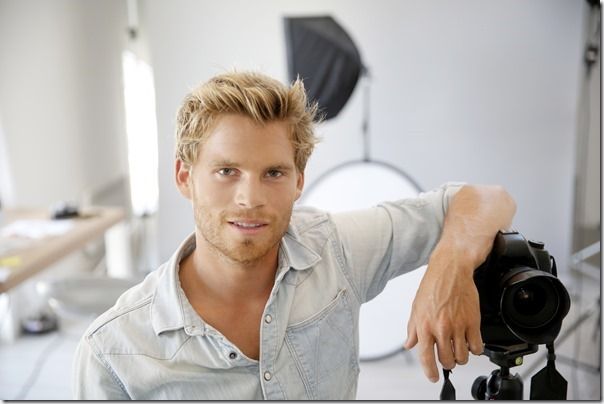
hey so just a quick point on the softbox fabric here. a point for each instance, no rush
(325, 57)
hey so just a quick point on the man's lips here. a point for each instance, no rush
(248, 226)
(248, 223)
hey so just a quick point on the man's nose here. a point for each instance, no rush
(250, 193)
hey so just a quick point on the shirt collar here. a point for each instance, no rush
(169, 302)
(170, 309)
(294, 253)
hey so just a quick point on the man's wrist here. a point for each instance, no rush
(464, 257)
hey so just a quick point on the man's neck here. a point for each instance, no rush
(228, 295)
(222, 279)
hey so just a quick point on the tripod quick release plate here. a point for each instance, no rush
(509, 356)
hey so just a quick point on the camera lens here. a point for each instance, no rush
(532, 304)
(529, 300)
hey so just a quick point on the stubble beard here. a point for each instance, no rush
(213, 229)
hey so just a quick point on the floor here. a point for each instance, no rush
(39, 367)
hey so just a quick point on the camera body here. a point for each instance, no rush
(521, 298)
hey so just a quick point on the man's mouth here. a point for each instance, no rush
(248, 226)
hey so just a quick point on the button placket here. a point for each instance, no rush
(272, 389)
(267, 375)
(267, 333)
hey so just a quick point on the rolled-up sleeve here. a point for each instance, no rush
(381, 243)
(93, 379)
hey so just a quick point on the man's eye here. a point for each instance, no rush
(274, 173)
(226, 171)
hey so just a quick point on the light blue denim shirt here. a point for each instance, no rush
(153, 345)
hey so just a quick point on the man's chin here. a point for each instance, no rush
(249, 252)
(246, 258)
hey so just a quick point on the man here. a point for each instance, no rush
(260, 302)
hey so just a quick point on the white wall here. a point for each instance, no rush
(61, 111)
(472, 90)
(61, 102)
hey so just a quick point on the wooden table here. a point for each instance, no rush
(36, 255)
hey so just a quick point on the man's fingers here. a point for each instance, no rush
(411, 336)
(475, 340)
(445, 352)
(427, 358)
(461, 349)
(411, 340)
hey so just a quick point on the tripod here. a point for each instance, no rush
(547, 384)
(500, 384)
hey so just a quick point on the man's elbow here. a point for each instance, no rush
(507, 198)
(495, 196)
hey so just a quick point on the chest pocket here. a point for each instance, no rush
(324, 351)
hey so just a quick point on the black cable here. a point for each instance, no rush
(383, 356)
(38, 366)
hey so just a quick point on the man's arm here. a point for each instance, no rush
(91, 379)
(393, 238)
(446, 310)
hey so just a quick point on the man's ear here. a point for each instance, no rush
(183, 175)
(299, 185)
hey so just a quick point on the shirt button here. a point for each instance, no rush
(267, 376)
(233, 355)
(268, 318)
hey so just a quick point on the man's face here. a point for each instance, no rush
(242, 187)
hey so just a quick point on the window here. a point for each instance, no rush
(141, 129)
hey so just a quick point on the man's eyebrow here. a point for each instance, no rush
(232, 164)
(281, 167)
(224, 163)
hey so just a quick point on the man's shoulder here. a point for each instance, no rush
(131, 313)
(311, 227)
(305, 218)
(309, 223)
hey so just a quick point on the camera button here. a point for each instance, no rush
(537, 244)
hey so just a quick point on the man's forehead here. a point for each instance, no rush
(235, 141)
(217, 161)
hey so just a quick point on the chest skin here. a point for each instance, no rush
(238, 318)
(238, 322)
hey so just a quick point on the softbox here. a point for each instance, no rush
(325, 57)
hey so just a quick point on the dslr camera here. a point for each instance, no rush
(522, 301)
(522, 305)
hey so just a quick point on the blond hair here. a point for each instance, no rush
(254, 95)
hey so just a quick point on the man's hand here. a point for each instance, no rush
(446, 310)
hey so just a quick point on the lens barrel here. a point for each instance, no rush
(533, 304)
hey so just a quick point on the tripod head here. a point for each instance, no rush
(500, 384)
(509, 356)
(547, 384)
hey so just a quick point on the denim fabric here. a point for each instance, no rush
(153, 345)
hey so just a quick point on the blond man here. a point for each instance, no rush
(262, 300)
